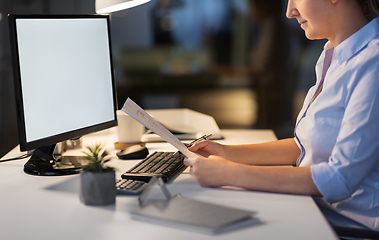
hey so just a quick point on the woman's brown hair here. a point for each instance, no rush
(370, 8)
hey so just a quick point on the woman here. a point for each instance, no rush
(336, 142)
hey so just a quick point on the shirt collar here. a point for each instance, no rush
(328, 46)
(355, 42)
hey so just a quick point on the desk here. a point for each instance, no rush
(33, 207)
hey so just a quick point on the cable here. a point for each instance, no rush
(17, 158)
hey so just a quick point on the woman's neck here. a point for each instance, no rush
(349, 20)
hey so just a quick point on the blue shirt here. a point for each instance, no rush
(338, 132)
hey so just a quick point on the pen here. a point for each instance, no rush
(204, 137)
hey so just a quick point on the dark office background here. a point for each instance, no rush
(217, 57)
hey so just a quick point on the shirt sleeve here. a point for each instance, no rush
(356, 152)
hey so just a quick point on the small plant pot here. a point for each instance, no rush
(97, 188)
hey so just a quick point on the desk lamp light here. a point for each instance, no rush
(108, 6)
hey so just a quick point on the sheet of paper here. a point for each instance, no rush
(135, 111)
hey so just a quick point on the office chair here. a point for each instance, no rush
(346, 232)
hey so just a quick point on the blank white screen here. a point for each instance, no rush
(65, 74)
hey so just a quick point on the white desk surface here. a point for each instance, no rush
(34, 207)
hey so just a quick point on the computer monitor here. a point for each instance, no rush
(64, 84)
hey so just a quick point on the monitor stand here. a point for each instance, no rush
(44, 163)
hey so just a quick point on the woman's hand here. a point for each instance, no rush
(212, 171)
(207, 148)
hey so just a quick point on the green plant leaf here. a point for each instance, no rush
(97, 157)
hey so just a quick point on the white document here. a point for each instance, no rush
(136, 112)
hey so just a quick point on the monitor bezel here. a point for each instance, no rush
(24, 144)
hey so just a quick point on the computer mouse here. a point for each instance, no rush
(133, 152)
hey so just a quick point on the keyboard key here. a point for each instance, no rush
(161, 164)
(129, 187)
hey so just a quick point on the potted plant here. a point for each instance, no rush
(97, 181)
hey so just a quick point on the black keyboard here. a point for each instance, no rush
(160, 164)
(129, 187)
